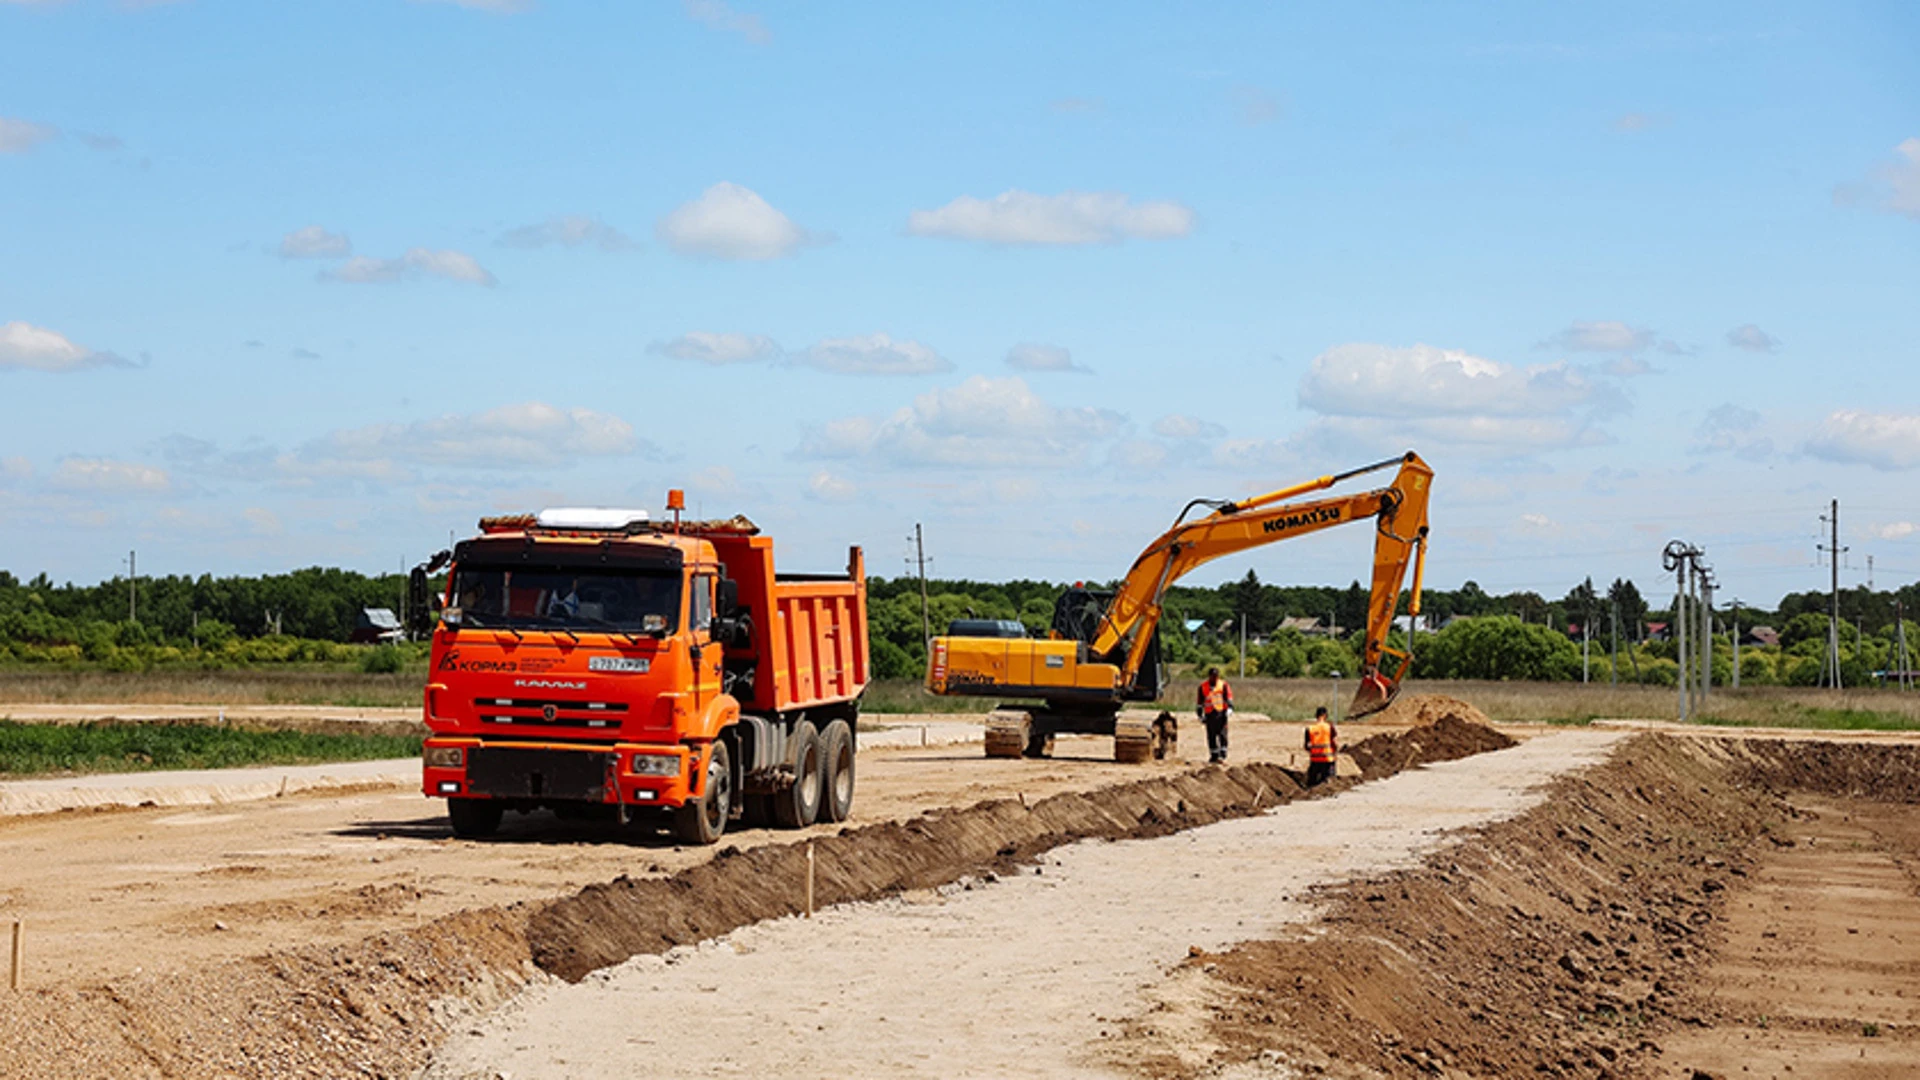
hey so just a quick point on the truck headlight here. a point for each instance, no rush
(655, 765)
(445, 757)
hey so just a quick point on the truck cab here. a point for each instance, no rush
(593, 663)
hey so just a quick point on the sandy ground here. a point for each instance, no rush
(1020, 977)
(1819, 974)
(110, 893)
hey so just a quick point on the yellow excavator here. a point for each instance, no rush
(1104, 647)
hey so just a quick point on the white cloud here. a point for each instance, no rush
(718, 15)
(1752, 339)
(527, 435)
(1734, 430)
(261, 521)
(20, 136)
(419, 261)
(1365, 379)
(1896, 530)
(1380, 397)
(569, 230)
(1606, 336)
(1256, 106)
(1138, 455)
(1180, 426)
(315, 242)
(729, 221)
(1886, 441)
(876, 354)
(1021, 217)
(982, 422)
(1030, 356)
(1636, 121)
(1536, 521)
(718, 349)
(1892, 187)
(827, 487)
(108, 477)
(35, 348)
(16, 468)
(1077, 105)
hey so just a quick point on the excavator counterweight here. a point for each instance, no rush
(1103, 649)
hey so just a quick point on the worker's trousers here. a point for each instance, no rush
(1216, 735)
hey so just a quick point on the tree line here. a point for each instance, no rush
(307, 615)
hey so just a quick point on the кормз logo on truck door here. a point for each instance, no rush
(634, 664)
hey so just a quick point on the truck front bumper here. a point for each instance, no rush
(532, 773)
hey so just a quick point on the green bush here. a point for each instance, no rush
(382, 660)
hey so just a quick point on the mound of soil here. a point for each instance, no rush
(1555, 944)
(1418, 710)
(380, 1007)
(1446, 738)
(1884, 772)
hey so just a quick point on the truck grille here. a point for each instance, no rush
(540, 714)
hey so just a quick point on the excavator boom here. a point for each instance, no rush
(1085, 674)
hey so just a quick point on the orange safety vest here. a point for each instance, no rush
(1320, 742)
(1216, 696)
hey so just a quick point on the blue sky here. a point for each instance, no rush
(285, 284)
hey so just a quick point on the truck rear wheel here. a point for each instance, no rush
(836, 793)
(704, 820)
(474, 819)
(799, 806)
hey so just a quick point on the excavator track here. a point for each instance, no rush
(1132, 741)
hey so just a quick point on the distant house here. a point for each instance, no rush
(1404, 623)
(1656, 631)
(1305, 625)
(1760, 635)
(376, 624)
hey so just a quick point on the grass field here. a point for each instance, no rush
(1560, 703)
(42, 749)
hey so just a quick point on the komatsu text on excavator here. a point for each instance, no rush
(1104, 648)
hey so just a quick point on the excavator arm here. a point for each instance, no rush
(1399, 511)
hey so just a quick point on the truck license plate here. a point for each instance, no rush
(619, 663)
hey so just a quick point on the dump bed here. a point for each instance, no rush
(809, 630)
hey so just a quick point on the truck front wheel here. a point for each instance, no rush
(836, 758)
(703, 820)
(474, 819)
(799, 806)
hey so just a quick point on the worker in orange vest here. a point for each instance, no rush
(1323, 745)
(1215, 706)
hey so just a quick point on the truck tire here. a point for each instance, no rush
(799, 805)
(474, 819)
(836, 781)
(704, 820)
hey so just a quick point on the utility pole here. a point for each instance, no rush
(1706, 635)
(1834, 551)
(1586, 649)
(1613, 635)
(1900, 632)
(1243, 644)
(133, 590)
(1736, 643)
(920, 555)
(1684, 560)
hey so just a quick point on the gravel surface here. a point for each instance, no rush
(1023, 976)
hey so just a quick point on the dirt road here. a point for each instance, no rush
(1020, 977)
(113, 893)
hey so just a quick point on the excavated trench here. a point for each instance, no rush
(1569, 941)
(379, 1007)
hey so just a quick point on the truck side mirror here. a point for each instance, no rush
(729, 599)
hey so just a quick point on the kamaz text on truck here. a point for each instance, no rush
(597, 664)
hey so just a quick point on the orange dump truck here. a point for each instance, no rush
(599, 665)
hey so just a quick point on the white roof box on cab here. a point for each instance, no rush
(589, 517)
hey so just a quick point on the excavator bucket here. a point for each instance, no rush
(1376, 692)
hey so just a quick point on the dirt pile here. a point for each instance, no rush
(1883, 772)
(1446, 738)
(1419, 710)
(1552, 945)
(380, 1006)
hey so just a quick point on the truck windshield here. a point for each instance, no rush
(534, 597)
